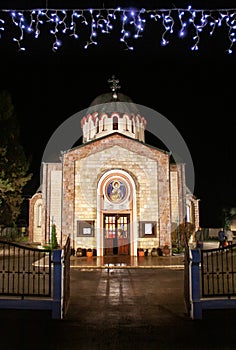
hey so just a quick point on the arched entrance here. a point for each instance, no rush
(116, 214)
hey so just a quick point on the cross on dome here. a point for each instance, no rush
(114, 86)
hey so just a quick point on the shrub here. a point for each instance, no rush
(54, 243)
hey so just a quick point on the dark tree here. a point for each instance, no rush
(14, 165)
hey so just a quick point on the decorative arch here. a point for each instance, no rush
(104, 120)
(35, 215)
(126, 122)
(125, 204)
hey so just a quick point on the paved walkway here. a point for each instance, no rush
(176, 261)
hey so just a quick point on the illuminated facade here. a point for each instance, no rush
(113, 193)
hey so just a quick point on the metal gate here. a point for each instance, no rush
(33, 278)
(25, 271)
(218, 272)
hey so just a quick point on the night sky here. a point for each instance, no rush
(192, 89)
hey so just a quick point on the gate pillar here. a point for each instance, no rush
(194, 280)
(57, 284)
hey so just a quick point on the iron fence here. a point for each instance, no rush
(24, 271)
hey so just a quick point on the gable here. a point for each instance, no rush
(106, 145)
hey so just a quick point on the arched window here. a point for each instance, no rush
(39, 215)
(90, 125)
(126, 124)
(115, 123)
(104, 123)
(133, 126)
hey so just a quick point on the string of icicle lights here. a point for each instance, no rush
(130, 23)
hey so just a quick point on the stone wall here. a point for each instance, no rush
(51, 199)
(149, 167)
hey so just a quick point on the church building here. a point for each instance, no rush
(113, 193)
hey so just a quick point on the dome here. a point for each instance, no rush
(113, 112)
(106, 103)
(108, 97)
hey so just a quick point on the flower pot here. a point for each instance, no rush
(89, 254)
(166, 251)
(154, 252)
(79, 252)
(140, 253)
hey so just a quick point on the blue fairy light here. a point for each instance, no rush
(131, 23)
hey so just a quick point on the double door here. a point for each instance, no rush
(116, 234)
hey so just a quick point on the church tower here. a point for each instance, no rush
(110, 113)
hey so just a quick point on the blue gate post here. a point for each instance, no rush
(57, 284)
(195, 295)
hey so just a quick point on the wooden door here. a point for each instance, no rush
(116, 234)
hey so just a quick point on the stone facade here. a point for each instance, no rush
(147, 166)
(156, 185)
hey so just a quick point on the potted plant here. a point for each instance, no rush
(89, 252)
